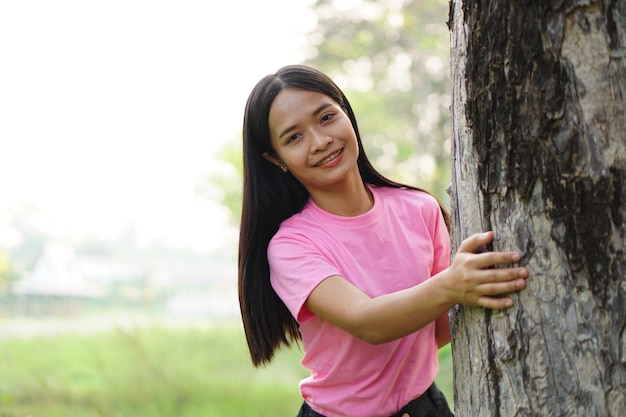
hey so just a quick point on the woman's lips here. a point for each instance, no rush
(329, 158)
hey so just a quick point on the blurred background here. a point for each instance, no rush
(120, 184)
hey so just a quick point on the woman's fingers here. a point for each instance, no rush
(475, 242)
(494, 303)
(486, 259)
(496, 288)
(500, 282)
(481, 268)
(489, 259)
(500, 274)
(483, 276)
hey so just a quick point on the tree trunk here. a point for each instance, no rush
(539, 157)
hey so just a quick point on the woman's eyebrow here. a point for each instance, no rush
(315, 113)
(320, 109)
(284, 132)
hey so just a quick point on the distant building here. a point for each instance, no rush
(57, 274)
(61, 277)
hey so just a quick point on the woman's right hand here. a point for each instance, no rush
(472, 279)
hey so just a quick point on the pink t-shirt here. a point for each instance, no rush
(399, 243)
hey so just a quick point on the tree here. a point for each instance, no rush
(539, 156)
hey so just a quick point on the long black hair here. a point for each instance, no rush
(271, 196)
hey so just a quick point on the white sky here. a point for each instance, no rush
(110, 110)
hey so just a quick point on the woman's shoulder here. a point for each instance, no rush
(411, 203)
(299, 225)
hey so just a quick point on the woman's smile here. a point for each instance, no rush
(331, 160)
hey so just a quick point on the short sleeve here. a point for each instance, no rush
(297, 266)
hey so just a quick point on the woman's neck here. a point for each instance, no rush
(347, 201)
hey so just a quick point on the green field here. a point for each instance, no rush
(151, 372)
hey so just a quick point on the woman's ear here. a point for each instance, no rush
(276, 161)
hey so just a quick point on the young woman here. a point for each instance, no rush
(354, 265)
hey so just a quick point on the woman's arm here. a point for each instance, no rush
(442, 330)
(468, 280)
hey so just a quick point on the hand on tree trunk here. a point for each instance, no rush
(472, 278)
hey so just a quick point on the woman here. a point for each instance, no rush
(355, 265)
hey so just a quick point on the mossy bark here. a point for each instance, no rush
(539, 157)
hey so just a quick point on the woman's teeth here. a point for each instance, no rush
(330, 158)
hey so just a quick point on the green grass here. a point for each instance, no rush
(152, 372)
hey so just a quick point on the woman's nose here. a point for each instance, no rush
(321, 140)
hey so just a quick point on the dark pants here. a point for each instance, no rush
(432, 403)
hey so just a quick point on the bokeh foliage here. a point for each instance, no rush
(391, 58)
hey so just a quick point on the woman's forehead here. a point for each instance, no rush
(291, 104)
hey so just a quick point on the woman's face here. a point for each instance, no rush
(313, 138)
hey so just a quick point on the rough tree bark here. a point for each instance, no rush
(539, 157)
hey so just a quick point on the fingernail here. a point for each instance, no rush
(516, 257)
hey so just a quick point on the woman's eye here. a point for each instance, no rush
(327, 117)
(292, 138)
